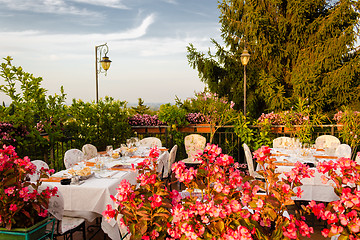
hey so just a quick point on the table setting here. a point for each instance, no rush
(314, 188)
(87, 186)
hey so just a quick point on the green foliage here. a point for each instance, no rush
(218, 111)
(253, 137)
(102, 124)
(140, 108)
(172, 115)
(350, 132)
(31, 107)
(298, 49)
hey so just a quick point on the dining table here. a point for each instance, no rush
(88, 197)
(313, 188)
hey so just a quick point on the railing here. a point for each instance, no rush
(225, 137)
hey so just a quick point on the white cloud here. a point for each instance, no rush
(61, 39)
(105, 3)
(171, 1)
(45, 6)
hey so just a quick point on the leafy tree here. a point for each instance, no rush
(141, 108)
(31, 108)
(100, 124)
(298, 49)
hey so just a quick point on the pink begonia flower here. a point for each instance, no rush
(109, 213)
(43, 213)
(154, 234)
(290, 231)
(156, 201)
(336, 229)
(13, 207)
(10, 191)
(299, 192)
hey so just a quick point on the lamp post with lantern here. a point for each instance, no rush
(245, 57)
(101, 64)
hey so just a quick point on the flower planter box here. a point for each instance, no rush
(284, 129)
(149, 129)
(196, 128)
(204, 128)
(35, 232)
(188, 129)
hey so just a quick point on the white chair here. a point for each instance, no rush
(343, 150)
(282, 142)
(64, 225)
(327, 142)
(150, 142)
(194, 144)
(170, 162)
(72, 157)
(357, 158)
(161, 162)
(250, 162)
(90, 151)
(39, 165)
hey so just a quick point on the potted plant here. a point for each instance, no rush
(22, 203)
(343, 215)
(145, 123)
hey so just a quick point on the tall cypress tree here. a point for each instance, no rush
(298, 49)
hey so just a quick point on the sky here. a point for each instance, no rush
(147, 40)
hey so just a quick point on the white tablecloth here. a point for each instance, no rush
(90, 199)
(314, 188)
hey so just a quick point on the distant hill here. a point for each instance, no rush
(152, 106)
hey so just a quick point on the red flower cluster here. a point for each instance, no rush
(21, 201)
(343, 215)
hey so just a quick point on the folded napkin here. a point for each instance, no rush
(328, 157)
(52, 179)
(279, 154)
(90, 164)
(120, 168)
(106, 174)
(284, 164)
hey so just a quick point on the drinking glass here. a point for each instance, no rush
(109, 150)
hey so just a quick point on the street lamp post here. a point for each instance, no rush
(245, 57)
(101, 64)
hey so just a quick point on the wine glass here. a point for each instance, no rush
(109, 150)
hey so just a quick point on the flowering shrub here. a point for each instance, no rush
(229, 206)
(21, 202)
(218, 111)
(8, 133)
(283, 118)
(145, 209)
(340, 114)
(145, 120)
(342, 216)
(195, 118)
(350, 132)
(220, 201)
